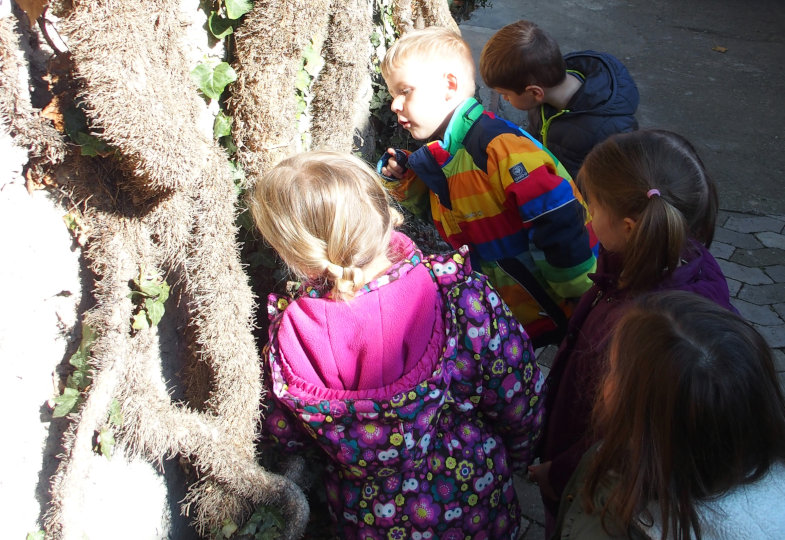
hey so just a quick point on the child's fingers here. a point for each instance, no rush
(393, 170)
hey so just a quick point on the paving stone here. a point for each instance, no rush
(745, 274)
(779, 360)
(754, 313)
(529, 499)
(776, 272)
(741, 240)
(779, 308)
(721, 250)
(534, 532)
(763, 294)
(770, 239)
(753, 224)
(774, 335)
(733, 286)
(758, 257)
(722, 217)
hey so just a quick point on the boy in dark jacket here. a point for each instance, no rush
(573, 101)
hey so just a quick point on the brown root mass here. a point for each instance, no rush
(164, 203)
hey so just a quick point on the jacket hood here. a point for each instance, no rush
(356, 345)
(699, 273)
(608, 88)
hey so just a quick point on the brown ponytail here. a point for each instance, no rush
(620, 172)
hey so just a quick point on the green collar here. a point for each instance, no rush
(462, 119)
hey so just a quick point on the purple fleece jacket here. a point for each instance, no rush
(579, 362)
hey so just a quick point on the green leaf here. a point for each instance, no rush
(75, 120)
(155, 310)
(228, 527)
(78, 380)
(220, 27)
(303, 81)
(222, 126)
(65, 402)
(139, 321)
(238, 173)
(89, 145)
(115, 413)
(312, 61)
(153, 287)
(106, 442)
(37, 535)
(213, 81)
(237, 8)
(228, 143)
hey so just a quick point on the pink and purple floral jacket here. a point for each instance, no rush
(421, 438)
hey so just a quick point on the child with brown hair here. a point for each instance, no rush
(574, 101)
(654, 209)
(486, 183)
(408, 374)
(692, 420)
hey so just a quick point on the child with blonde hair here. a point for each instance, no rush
(654, 209)
(486, 183)
(408, 373)
(692, 421)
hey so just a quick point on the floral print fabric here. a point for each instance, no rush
(433, 459)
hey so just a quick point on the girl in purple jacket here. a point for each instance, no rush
(653, 208)
(408, 373)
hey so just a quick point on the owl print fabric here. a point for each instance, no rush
(431, 455)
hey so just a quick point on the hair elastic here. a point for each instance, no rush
(652, 192)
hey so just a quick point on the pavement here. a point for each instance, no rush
(704, 70)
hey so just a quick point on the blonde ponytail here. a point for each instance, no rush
(327, 215)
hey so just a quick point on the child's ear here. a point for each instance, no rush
(536, 92)
(452, 81)
(629, 226)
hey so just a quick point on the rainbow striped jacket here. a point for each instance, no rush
(491, 186)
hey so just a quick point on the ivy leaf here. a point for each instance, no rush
(312, 61)
(115, 413)
(152, 287)
(228, 528)
(90, 145)
(237, 8)
(238, 174)
(65, 402)
(79, 379)
(220, 27)
(155, 310)
(213, 81)
(140, 321)
(222, 126)
(303, 81)
(228, 143)
(106, 442)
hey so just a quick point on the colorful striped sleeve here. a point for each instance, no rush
(554, 217)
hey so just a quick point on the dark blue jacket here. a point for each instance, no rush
(605, 104)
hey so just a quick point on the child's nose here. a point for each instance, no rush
(397, 104)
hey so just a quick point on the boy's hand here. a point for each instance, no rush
(539, 475)
(393, 168)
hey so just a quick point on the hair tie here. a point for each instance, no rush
(652, 192)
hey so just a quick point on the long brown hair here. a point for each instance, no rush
(689, 408)
(620, 173)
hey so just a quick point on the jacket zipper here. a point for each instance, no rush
(547, 123)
